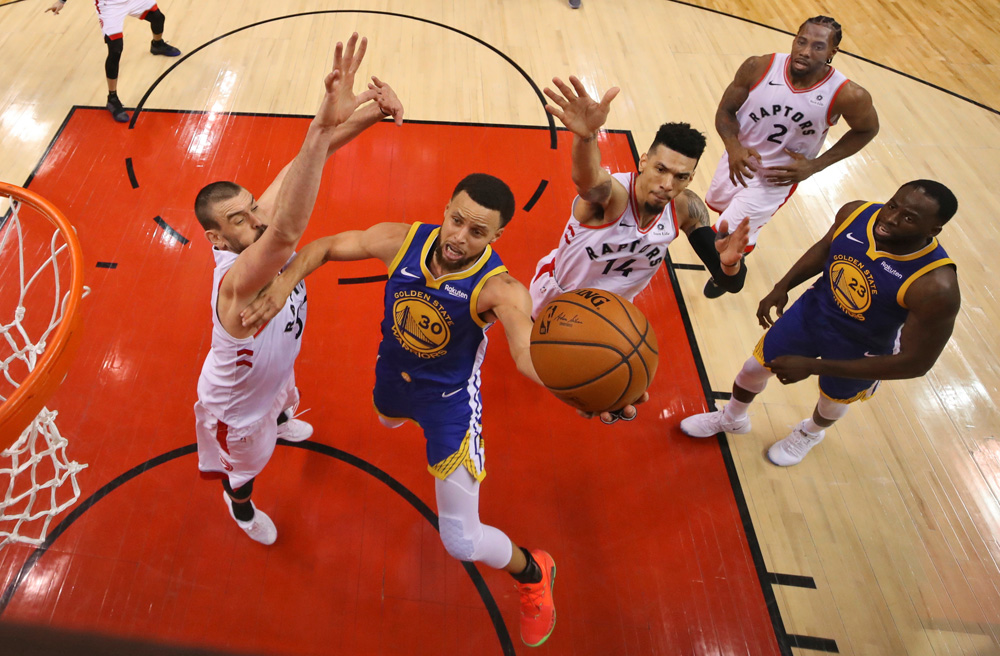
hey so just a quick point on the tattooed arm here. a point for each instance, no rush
(721, 251)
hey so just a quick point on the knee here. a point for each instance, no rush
(115, 47)
(156, 20)
(753, 376)
(453, 535)
(829, 409)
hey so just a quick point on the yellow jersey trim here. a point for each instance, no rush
(474, 297)
(874, 254)
(460, 458)
(901, 294)
(405, 247)
(435, 283)
(850, 219)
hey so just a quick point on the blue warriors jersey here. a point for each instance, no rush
(862, 292)
(431, 332)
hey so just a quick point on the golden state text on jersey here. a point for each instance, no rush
(431, 330)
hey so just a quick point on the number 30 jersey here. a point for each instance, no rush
(431, 331)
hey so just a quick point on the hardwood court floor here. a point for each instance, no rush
(895, 517)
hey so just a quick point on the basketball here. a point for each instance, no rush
(594, 350)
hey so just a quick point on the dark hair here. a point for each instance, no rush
(826, 21)
(208, 197)
(942, 195)
(681, 138)
(490, 192)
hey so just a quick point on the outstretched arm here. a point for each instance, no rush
(262, 260)
(584, 117)
(933, 302)
(386, 105)
(381, 242)
(855, 104)
(743, 161)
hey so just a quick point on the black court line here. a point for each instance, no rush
(770, 601)
(362, 280)
(170, 231)
(816, 644)
(538, 194)
(720, 396)
(843, 52)
(107, 265)
(534, 87)
(793, 580)
(506, 644)
(688, 267)
(131, 173)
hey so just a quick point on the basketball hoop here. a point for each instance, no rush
(39, 334)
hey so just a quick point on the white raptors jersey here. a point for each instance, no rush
(241, 377)
(776, 115)
(618, 256)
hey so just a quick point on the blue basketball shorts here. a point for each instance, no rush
(800, 331)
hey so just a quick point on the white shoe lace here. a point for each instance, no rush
(799, 442)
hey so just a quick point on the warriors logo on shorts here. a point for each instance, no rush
(853, 286)
(420, 324)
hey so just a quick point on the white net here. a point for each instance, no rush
(37, 480)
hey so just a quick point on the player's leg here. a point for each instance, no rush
(150, 12)
(835, 396)
(115, 44)
(290, 428)
(466, 538)
(791, 334)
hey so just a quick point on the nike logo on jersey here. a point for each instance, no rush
(447, 394)
(774, 84)
(871, 355)
(627, 225)
(407, 273)
(853, 238)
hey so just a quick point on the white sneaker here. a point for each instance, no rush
(295, 430)
(708, 424)
(792, 449)
(260, 528)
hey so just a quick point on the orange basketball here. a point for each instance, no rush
(594, 350)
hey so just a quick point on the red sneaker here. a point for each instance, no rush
(538, 611)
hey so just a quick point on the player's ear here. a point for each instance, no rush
(500, 232)
(214, 237)
(642, 162)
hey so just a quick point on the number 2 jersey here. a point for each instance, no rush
(861, 295)
(776, 115)
(431, 331)
(241, 377)
(619, 256)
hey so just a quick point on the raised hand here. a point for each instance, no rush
(56, 7)
(732, 245)
(387, 101)
(580, 113)
(339, 102)
(743, 163)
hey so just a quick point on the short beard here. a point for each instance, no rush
(654, 209)
(447, 264)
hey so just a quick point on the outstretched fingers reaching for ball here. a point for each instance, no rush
(340, 101)
(580, 113)
(387, 101)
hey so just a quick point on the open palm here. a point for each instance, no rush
(580, 113)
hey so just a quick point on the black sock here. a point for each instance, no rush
(242, 511)
(532, 572)
(112, 95)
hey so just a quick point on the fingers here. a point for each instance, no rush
(555, 97)
(365, 96)
(356, 60)
(609, 95)
(557, 112)
(564, 88)
(581, 91)
(722, 229)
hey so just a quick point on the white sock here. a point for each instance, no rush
(812, 427)
(735, 410)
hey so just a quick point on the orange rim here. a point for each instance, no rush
(27, 400)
